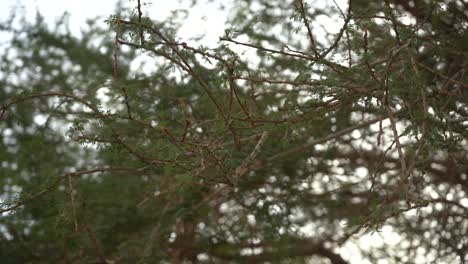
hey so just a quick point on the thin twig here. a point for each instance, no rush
(347, 19)
(244, 167)
(116, 69)
(72, 200)
(403, 176)
(58, 180)
(92, 237)
(47, 94)
(302, 11)
(187, 67)
(308, 146)
(427, 68)
(334, 66)
(142, 39)
(425, 109)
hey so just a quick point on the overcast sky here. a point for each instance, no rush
(201, 18)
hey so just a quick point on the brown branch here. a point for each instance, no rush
(404, 172)
(142, 39)
(427, 68)
(92, 237)
(264, 80)
(165, 41)
(334, 66)
(58, 180)
(47, 94)
(72, 201)
(301, 248)
(119, 141)
(306, 147)
(156, 52)
(302, 11)
(247, 162)
(366, 50)
(233, 88)
(346, 18)
(116, 48)
(412, 163)
(187, 68)
(116, 69)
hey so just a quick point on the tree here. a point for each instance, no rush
(281, 145)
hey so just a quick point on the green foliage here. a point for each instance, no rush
(220, 156)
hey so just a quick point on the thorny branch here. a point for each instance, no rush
(55, 183)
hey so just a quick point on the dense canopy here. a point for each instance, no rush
(308, 126)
